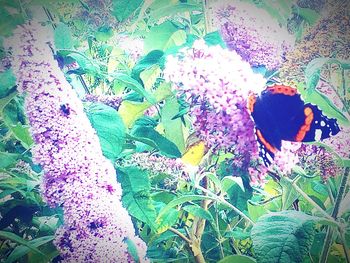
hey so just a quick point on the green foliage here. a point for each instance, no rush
(122, 9)
(283, 236)
(109, 127)
(163, 37)
(167, 210)
(237, 259)
(8, 80)
(136, 194)
(153, 138)
(63, 37)
(135, 85)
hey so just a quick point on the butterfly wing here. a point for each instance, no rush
(316, 126)
(280, 114)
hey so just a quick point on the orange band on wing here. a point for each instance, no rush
(282, 89)
(265, 143)
(309, 116)
(251, 102)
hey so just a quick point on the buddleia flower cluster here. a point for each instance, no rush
(328, 38)
(317, 160)
(175, 169)
(76, 176)
(216, 83)
(113, 101)
(253, 34)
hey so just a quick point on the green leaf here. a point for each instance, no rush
(122, 9)
(181, 200)
(166, 220)
(63, 37)
(136, 194)
(238, 234)
(156, 140)
(309, 15)
(104, 33)
(312, 76)
(132, 249)
(173, 128)
(22, 250)
(289, 194)
(326, 105)
(131, 111)
(21, 132)
(198, 211)
(163, 37)
(8, 80)
(283, 237)
(155, 57)
(237, 259)
(161, 8)
(228, 181)
(256, 211)
(86, 65)
(109, 127)
(11, 236)
(6, 100)
(213, 39)
(8, 22)
(135, 85)
(7, 159)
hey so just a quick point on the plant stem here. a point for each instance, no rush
(307, 198)
(330, 231)
(223, 201)
(177, 232)
(198, 229)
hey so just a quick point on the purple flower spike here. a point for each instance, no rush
(76, 174)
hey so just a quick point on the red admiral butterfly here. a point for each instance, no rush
(280, 114)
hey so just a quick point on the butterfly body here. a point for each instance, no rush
(280, 114)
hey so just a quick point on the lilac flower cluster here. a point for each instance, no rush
(133, 47)
(317, 160)
(216, 83)
(287, 158)
(175, 169)
(76, 174)
(253, 34)
(113, 101)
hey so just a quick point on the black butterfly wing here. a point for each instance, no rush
(280, 114)
(316, 126)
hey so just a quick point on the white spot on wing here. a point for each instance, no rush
(322, 123)
(269, 157)
(318, 134)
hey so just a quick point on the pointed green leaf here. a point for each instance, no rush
(122, 9)
(135, 85)
(7, 159)
(181, 200)
(136, 194)
(157, 140)
(11, 236)
(163, 37)
(289, 194)
(163, 8)
(166, 220)
(63, 37)
(22, 250)
(198, 211)
(173, 128)
(8, 80)
(109, 127)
